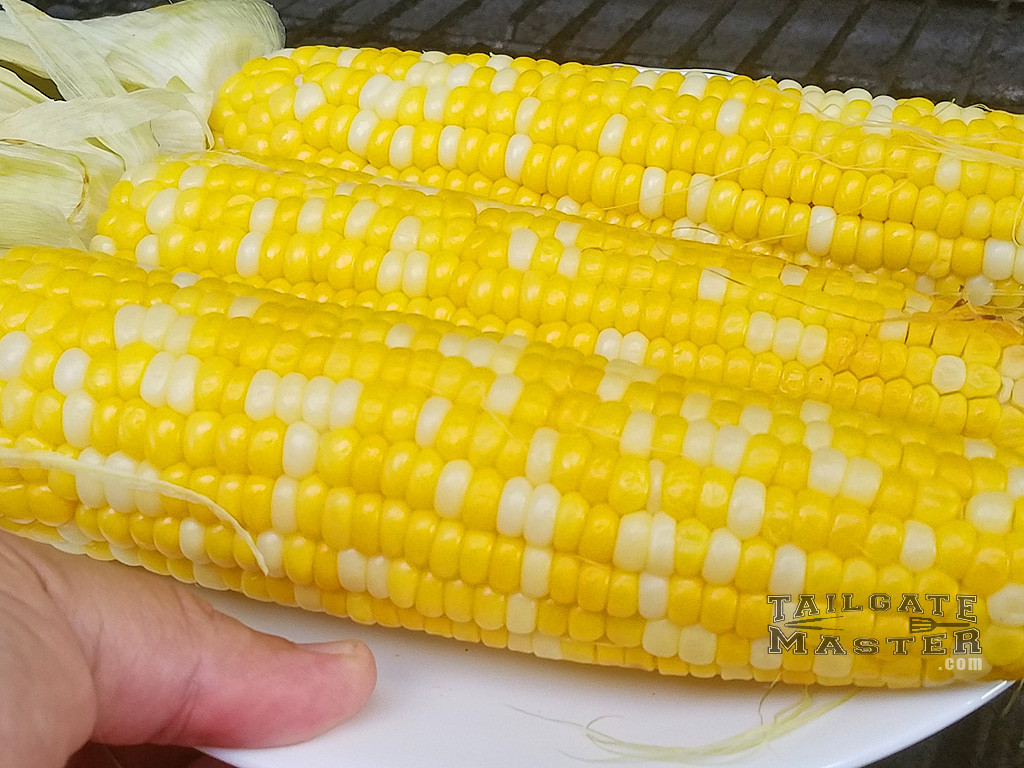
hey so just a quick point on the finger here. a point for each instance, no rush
(169, 669)
(47, 700)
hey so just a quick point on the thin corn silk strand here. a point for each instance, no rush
(1018, 689)
(40, 459)
(723, 751)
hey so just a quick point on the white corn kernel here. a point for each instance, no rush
(535, 577)
(372, 89)
(155, 379)
(632, 542)
(521, 246)
(311, 216)
(661, 638)
(610, 141)
(352, 570)
(344, 401)
(948, 173)
(288, 397)
(746, 507)
(661, 553)
(541, 510)
(949, 374)
(919, 547)
(192, 540)
(713, 284)
(1006, 605)
(699, 441)
(652, 192)
(160, 211)
(515, 496)
(997, 262)
(360, 130)
(358, 218)
(448, 147)
(434, 102)
(826, 471)
(540, 455)
(821, 229)
(416, 273)
(730, 445)
(697, 645)
(722, 557)
(991, 511)
(120, 496)
(283, 516)
(450, 492)
(69, 372)
(76, 418)
(730, 114)
(261, 395)
(390, 272)
(638, 433)
(400, 152)
(789, 570)
(429, 422)
(181, 384)
(652, 596)
(697, 197)
(301, 442)
(316, 399)
(525, 113)
(261, 219)
(308, 97)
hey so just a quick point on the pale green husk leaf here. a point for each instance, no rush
(132, 88)
(200, 42)
(35, 224)
(79, 72)
(16, 94)
(43, 197)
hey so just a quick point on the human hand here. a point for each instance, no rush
(95, 654)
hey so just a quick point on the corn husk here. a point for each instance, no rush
(130, 87)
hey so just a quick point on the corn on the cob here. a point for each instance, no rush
(702, 312)
(889, 184)
(402, 471)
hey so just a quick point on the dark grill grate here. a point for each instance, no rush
(970, 51)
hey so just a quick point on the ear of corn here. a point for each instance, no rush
(706, 313)
(404, 471)
(896, 185)
(570, 438)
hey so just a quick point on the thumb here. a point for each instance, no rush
(169, 669)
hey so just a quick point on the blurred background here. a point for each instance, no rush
(967, 51)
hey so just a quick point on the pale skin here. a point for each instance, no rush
(96, 657)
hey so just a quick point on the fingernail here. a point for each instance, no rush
(338, 648)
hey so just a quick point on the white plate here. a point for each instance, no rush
(444, 704)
